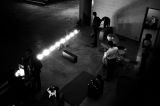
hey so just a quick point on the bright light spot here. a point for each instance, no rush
(39, 56)
(71, 34)
(92, 2)
(52, 48)
(67, 37)
(109, 38)
(51, 92)
(62, 41)
(17, 74)
(75, 31)
(20, 71)
(57, 44)
(46, 52)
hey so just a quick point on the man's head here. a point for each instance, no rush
(110, 43)
(148, 36)
(94, 14)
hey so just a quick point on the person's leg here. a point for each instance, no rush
(92, 33)
(94, 43)
(96, 36)
(104, 68)
(143, 63)
(113, 66)
(108, 74)
(110, 69)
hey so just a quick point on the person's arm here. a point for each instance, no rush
(103, 58)
(106, 54)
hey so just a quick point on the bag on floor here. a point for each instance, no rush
(94, 88)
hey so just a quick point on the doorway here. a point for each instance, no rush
(151, 25)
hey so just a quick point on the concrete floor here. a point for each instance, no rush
(33, 26)
(44, 25)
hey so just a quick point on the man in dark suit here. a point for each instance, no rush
(95, 27)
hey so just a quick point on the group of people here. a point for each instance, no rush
(112, 53)
(29, 83)
(32, 68)
(95, 27)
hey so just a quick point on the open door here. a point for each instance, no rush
(151, 25)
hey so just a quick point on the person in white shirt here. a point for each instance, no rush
(109, 59)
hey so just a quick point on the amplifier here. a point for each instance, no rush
(70, 56)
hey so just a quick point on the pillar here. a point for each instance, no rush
(85, 12)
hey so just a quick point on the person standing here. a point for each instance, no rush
(146, 49)
(106, 22)
(26, 61)
(109, 60)
(32, 68)
(95, 27)
(37, 65)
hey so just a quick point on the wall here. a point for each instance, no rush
(126, 15)
(25, 25)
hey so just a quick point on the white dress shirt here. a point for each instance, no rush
(111, 53)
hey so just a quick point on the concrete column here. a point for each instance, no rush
(85, 12)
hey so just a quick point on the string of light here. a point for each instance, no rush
(47, 52)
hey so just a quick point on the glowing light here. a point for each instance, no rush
(20, 71)
(71, 34)
(57, 44)
(75, 31)
(39, 56)
(67, 37)
(46, 52)
(51, 92)
(92, 2)
(109, 38)
(52, 48)
(62, 41)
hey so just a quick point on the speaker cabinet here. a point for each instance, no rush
(69, 56)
